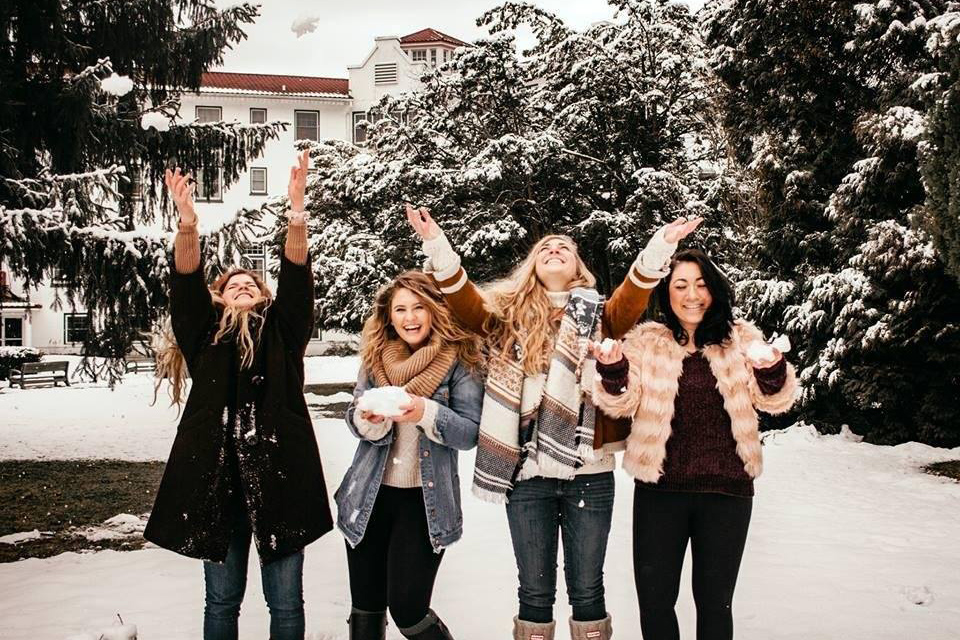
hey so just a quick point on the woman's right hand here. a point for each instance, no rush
(181, 190)
(422, 222)
(613, 356)
(371, 417)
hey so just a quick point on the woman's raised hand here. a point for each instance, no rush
(297, 187)
(607, 353)
(422, 222)
(680, 229)
(181, 189)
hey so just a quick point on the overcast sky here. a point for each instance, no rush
(345, 33)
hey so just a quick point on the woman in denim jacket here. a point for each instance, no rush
(399, 502)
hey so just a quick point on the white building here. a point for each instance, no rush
(316, 108)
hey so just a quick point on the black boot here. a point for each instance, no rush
(367, 625)
(430, 628)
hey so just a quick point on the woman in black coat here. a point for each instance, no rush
(245, 461)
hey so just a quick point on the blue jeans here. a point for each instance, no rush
(226, 582)
(580, 509)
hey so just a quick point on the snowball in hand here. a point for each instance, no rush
(384, 401)
(156, 120)
(782, 344)
(607, 346)
(304, 25)
(116, 85)
(759, 351)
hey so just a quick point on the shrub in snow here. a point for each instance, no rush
(14, 357)
(384, 401)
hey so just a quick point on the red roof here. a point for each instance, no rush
(430, 35)
(261, 82)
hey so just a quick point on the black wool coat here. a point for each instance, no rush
(262, 468)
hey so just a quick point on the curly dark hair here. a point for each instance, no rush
(717, 324)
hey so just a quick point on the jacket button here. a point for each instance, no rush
(426, 453)
(430, 484)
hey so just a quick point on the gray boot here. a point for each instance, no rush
(430, 628)
(526, 630)
(367, 625)
(592, 630)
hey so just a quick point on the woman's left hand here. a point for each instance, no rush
(412, 411)
(297, 187)
(680, 229)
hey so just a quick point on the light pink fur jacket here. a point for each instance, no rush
(656, 362)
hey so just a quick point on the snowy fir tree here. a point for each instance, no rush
(601, 134)
(828, 106)
(88, 96)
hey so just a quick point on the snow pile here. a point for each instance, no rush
(119, 527)
(156, 120)
(384, 401)
(117, 631)
(305, 24)
(24, 536)
(116, 85)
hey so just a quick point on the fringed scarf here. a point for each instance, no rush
(546, 420)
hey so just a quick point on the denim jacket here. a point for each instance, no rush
(459, 398)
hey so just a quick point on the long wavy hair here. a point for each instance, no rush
(245, 325)
(377, 329)
(717, 324)
(521, 313)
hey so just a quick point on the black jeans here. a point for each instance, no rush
(541, 511)
(394, 565)
(716, 526)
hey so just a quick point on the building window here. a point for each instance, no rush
(258, 116)
(12, 332)
(209, 189)
(418, 55)
(254, 258)
(433, 57)
(258, 181)
(446, 55)
(359, 127)
(385, 73)
(307, 125)
(75, 327)
(209, 114)
(132, 186)
(58, 280)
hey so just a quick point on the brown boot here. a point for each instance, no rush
(526, 630)
(592, 630)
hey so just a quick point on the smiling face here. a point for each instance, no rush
(410, 317)
(241, 291)
(689, 296)
(555, 262)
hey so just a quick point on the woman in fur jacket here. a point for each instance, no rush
(692, 385)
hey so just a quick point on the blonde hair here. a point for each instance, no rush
(377, 329)
(521, 313)
(235, 321)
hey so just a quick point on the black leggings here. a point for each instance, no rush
(394, 565)
(716, 526)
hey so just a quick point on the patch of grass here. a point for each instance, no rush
(58, 495)
(950, 469)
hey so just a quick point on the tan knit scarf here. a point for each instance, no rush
(420, 372)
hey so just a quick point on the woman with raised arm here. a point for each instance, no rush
(692, 385)
(245, 460)
(542, 449)
(399, 503)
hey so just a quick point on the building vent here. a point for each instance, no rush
(385, 73)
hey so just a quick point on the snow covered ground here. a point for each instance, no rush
(849, 541)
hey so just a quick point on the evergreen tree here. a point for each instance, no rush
(829, 116)
(599, 133)
(79, 82)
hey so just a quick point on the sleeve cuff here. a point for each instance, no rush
(428, 423)
(442, 261)
(771, 379)
(654, 260)
(371, 430)
(186, 248)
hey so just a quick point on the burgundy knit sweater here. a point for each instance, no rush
(701, 452)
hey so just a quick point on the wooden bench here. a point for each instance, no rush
(32, 373)
(140, 364)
